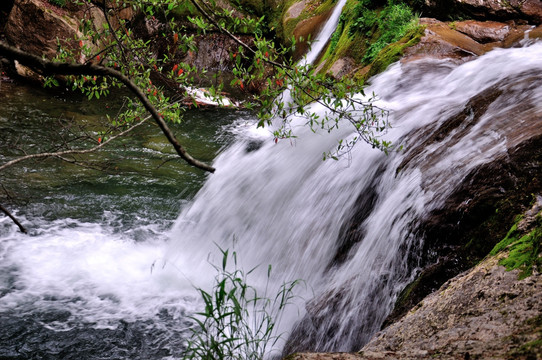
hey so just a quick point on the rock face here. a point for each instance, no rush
(485, 313)
(35, 27)
(303, 19)
(483, 32)
(40, 28)
(529, 10)
(464, 40)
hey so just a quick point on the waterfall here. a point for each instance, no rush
(280, 204)
(324, 34)
(105, 273)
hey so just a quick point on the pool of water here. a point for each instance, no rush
(86, 282)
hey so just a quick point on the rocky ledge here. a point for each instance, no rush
(481, 314)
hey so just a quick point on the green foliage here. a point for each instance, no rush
(523, 251)
(364, 21)
(286, 89)
(337, 34)
(393, 52)
(393, 23)
(237, 321)
(388, 24)
(373, 32)
(59, 3)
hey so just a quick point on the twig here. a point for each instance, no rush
(61, 154)
(21, 227)
(49, 67)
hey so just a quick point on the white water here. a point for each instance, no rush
(324, 34)
(285, 207)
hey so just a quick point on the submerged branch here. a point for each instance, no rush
(61, 154)
(56, 68)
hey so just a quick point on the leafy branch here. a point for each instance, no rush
(47, 67)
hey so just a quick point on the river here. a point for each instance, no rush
(82, 282)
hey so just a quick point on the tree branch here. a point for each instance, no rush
(21, 227)
(60, 154)
(232, 36)
(57, 68)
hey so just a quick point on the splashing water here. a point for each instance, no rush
(286, 207)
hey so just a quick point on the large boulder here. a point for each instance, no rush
(464, 40)
(528, 10)
(38, 28)
(484, 313)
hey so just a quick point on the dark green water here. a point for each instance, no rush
(138, 176)
(81, 285)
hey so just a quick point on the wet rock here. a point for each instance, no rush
(342, 67)
(483, 32)
(308, 29)
(522, 35)
(483, 313)
(213, 52)
(295, 10)
(481, 210)
(465, 40)
(528, 10)
(442, 41)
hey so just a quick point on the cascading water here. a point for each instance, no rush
(276, 204)
(286, 207)
(324, 34)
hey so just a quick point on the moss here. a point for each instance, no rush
(529, 350)
(394, 51)
(523, 252)
(59, 3)
(510, 237)
(291, 356)
(364, 41)
(344, 44)
(255, 7)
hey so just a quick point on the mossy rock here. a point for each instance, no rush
(308, 22)
(342, 44)
(394, 52)
(523, 251)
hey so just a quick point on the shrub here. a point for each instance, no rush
(237, 322)
(383, 26)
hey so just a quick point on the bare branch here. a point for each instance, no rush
(21, 227)
(58, 68)
(63, 153)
